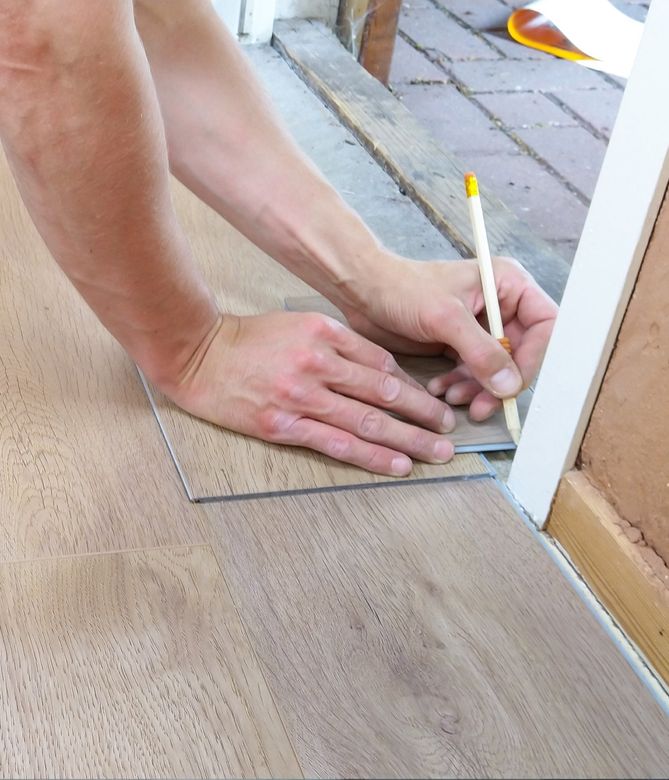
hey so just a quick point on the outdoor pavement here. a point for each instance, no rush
(533, 127)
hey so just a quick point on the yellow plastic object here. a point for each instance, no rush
(533, 29)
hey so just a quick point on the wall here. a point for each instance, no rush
(626, 449)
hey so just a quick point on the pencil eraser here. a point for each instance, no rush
(471, 185)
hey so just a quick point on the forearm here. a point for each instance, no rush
(83, 133)
(227, 145)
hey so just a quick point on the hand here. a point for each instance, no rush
(432, 307)
(307, 380)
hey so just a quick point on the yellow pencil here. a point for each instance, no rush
(490, 290)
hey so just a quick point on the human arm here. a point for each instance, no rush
(81, 126)
(242, 162)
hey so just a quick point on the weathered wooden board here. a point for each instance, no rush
(428, 173)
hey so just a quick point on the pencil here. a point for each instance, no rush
(490, 290)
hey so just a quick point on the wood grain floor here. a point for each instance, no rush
(418, 631)
(131, 665)
(218, 463)
(405, 630)
(80, 457)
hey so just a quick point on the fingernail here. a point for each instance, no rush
(443, 450)
(506, 382)
(448, 421)
(432, 387)
(453, 396)
(401, 466)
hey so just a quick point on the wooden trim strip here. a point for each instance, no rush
(619, 571)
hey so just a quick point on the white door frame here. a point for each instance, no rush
(624, 208)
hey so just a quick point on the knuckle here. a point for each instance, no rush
(338, 447)
(389, 388)
(452, 308)
(320, 326)
(274, 424)
(420, 441)
(374, 460)
(300, 358)
(435, 411)
(309, 360)
(487, 356)
(388, 362)
(371, 424)
(283, 387)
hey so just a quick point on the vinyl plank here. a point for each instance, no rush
(80, 457)
(131, 665)
(217, 463)
(422, 631)
(468, 436)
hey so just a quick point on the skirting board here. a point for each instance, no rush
(468, 436)
(617, 569)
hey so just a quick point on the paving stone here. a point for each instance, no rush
(532, 193)
(433, 29)
(515, 3)
(527, 109)
(553, 75)
(637, 9)
(480, 14)
(599, 108)
(512, 49)
(410, 65)
(458, 124)
(572, 151)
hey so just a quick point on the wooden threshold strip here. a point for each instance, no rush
(616, 569)
(407, 151)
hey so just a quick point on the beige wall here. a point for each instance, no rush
(626, 449)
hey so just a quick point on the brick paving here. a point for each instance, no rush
(534, 127)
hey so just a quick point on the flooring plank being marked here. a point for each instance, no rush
(131, 665)
(422, 631)
(217, 463)
(80, 456)
(489, 436)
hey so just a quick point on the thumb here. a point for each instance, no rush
(490, 364)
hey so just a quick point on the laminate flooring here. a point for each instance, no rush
(80, 456)
(409, 629)
(421, 630)
(131, 665)
(216, 463)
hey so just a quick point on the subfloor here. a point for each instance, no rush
(534, 127)
(398, 630)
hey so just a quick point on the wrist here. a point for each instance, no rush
(168, 355)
